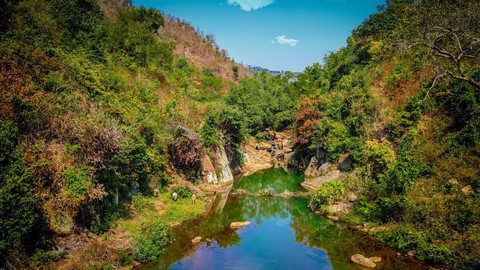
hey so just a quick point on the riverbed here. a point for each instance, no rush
(283, 234)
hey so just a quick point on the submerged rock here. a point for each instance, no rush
(238, 225)
(362, 260)
(376, 259)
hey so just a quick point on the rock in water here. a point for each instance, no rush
(376, 259)
(360, 259)
(238, 225)
(197, 240)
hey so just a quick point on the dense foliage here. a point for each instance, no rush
(88, 117)
(401, 98)
(96, 110)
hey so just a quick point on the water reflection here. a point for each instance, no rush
(283, 235)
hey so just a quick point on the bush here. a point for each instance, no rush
(213, 83)
(8, 141)
(19, 212)
(328, 193)
(141, 203)
(151, 242)
(379, 158)
(182, 191)
(77, 182)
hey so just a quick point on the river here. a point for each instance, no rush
(283, 234)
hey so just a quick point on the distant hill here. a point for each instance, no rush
(200, 49)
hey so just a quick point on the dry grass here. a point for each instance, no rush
(199, 50)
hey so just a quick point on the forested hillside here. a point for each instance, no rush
(91, 101)
(402, 99)
(104, 104)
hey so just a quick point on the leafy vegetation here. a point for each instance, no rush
(89, 105)
(149, 245)
(395, 100)
(98, 109)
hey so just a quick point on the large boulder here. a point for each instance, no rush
(255, 160)
(345, 163)
(339, 208)
(314, 184)
(264, 146)
(362, 260)
(315, 169)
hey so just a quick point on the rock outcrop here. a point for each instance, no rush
(225, 171)
(254, 158)
(276, 152)
(315, 169)
(208, 171)
(314, 184)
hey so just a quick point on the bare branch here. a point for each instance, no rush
(465, 79)
(459, 44)
(434, 83)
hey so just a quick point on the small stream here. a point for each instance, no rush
(284, 234)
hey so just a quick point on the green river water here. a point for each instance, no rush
(283, 234)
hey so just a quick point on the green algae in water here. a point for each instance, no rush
(277, 180)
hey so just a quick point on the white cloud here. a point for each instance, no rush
(283, 40)
(248, 5)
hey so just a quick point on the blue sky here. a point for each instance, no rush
(274, 34)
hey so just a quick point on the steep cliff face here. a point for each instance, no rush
(218, 171)
(224, 166)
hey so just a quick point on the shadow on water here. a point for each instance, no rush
(283, 235)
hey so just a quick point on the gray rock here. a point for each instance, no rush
(345, 163)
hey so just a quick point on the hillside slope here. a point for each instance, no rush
(96, 111)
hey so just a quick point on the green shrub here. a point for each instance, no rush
(151, 242)
(328, 193)
(406, 238)
(43, 258)
(8, 141)
(182, 191)
(142, 203)
(20, 217)
(77, 182)
(379, 157)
